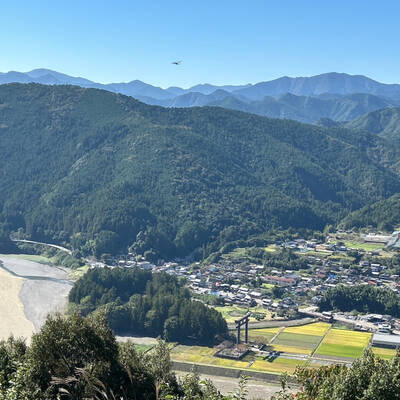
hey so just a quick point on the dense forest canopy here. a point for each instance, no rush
(100, 172)
(362, 298)
(383, 215)
(141, 303)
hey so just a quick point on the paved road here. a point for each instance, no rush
(341, 318)
(44, 244)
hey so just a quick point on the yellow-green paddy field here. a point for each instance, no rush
(314, 344)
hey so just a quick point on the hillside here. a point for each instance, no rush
(383, 215)
(384, 122)
(101, 171)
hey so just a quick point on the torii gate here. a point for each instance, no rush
(243, 321)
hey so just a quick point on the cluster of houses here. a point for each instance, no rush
(237, 282)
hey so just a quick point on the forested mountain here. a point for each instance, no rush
(101, 171)
(383, 215)
(384, 122)
(340, 97)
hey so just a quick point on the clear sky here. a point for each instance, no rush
(218, 41)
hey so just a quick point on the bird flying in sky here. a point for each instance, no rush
(176, 62)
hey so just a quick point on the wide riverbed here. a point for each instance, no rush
(29, 291)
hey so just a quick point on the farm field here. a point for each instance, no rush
(263, 335)
(232, 313)
(203, 355)
(279, 365)
(300, 339)
(363, 246)
(344, 343)
(318, 339)
(384, 353)
(296, 343)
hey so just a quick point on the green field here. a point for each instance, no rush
(344, 343)
(296, 343)
(262, 335)
(279, 365)
(204, 355)
(143, 347)
(232, 313)
(363, 246)
(316, 338)
(316, 328)
(77, 273)
(384, 353)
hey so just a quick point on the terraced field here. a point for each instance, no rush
(344, 343)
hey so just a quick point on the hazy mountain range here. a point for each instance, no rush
(337, 96)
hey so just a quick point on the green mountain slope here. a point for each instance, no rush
(101, 171)
(384, 122)
(383, 215)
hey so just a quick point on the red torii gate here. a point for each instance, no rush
(243, 321)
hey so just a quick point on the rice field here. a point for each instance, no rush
(262, 335)
(384, 353)
(316, 329)
(296, 343)
(307, 340)
(204, 355)
(278, 365)
(344, 343)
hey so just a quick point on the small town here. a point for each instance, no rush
(282, 294)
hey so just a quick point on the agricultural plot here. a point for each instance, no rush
(262, 335)
(315, 329)
(232, 313)
(278, 365)
(384, 353)
(300, 339)
(296, 343)
(363, 246)
(344, 343)
(204, 355)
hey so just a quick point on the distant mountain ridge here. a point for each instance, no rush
(337, 96)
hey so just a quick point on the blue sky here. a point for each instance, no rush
(219, 41)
